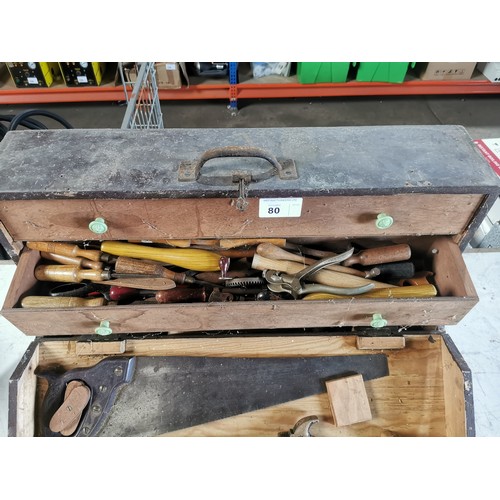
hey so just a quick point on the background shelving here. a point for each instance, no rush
(246, 87)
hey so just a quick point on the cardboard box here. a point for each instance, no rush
(448, 71)
(490, 70)
(168, 75)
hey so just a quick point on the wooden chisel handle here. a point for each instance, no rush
(380, 255)
(64, 249)
(235, 243)
(400, 292)
(127, 265)
(188, 258)
(325, 277)
(69, 274)
(43, 301)
(271, 251)
(72, 261)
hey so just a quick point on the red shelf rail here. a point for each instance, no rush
(61, 94)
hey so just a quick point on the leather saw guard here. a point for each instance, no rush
(104, 380)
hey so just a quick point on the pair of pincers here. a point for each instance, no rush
(279, 282)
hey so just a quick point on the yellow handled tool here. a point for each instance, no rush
(188, 258)
(401, 292)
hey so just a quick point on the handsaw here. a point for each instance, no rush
(152, 395)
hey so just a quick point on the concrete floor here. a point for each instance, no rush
(479, 114)
(477, 337)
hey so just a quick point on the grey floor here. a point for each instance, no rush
(477, 336)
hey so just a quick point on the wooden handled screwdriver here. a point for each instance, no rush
(33, 301)
(74, 274)
(125, 265)
(66, 249)
(188, 258)
(380, 255)
(72, 261)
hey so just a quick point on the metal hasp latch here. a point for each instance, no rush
(284, 169)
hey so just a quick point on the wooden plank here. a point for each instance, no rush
(380, 342)
(23, 279)
(348, 400)
(230, 316)
(342, 216)
(450, 272)
(454, 399)
(22, 397)
(90, 348)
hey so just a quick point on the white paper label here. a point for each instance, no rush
(170, 66)
(280, 207)
(32, 80)
(82, 79)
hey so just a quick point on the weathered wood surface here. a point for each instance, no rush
(107, 163)
(158, 219)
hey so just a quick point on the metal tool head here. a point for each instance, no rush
(302, 428)
(245, 282)
(279, 282)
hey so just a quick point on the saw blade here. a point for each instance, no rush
(244, 282)
(172, 393)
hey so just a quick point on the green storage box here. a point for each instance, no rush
(322, 72)
(392, 72)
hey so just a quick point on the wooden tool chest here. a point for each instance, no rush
(425, 187)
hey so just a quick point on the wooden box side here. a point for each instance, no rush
(22, 394)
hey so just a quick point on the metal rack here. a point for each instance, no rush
(235, 89)
(141, 93)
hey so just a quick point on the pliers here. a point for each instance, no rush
(279, 282)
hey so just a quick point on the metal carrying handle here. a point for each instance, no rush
(191, 171)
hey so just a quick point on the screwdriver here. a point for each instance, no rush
(73, 261)
(124, 265)
(64, 249)
(74, 274)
